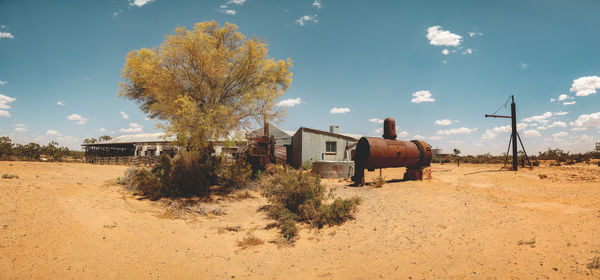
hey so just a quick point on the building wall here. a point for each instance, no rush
(310, 147)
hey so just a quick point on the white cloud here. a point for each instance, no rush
(552, 99)
(561, 113)
(569, 102)
(524, 65)
(19, 125)
(439, 37)
(443, 122)
(585, 86)
(5, 100)
(543, 118)
(60, 103)
(422, 96)
(124, 115)
(508, 128)
(402, 134)
(317, 4)
(579, 128)
(78, 119)
(562, 97)
(290, 102)
(445, 51)
(236, 2)
(20, 128)
(139, 3)
(6, 35)
(102, 130)
(488, 135)
(336, 110)
(560, 134)
(376, 120)
(4, 113)
(117, 13)
(3, 83)
(378, 130)
(307, 19)
(53, 132)
(531, 133)
(473, 34)
(468, 51)
(437, 137)
(133, 128)
(229, 12)
(419, 137)
(558, 124)
(454, 131)
(584, 120)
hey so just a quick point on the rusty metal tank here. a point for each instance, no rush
(373, 153)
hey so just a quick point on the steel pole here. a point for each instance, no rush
(513, 114)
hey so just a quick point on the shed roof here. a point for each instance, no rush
(347, 136)
(136, 138)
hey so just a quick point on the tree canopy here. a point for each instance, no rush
(206, 82)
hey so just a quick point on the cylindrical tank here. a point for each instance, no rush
(373, 153)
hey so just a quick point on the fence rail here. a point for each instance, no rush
(129, 160)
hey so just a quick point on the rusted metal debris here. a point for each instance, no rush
(262, 151)
(373, 153)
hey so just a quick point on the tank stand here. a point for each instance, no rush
(418, 174)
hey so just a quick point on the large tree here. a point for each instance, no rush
(206, 83)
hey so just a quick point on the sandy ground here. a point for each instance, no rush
(71, 221)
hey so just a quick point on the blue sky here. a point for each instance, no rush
(435, 66)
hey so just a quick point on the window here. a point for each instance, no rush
(331, 147)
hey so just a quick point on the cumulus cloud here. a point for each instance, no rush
(60, 103)
(402, 134)
(124, 115)
(488, 135)
(376, 120)
(117, 13)
(236, 2)
(531, 133)
(53, 132)
(336, 110)
(585, 86)
(317, 4)
(102, 130)
(439, 37)
(543, 118)
(560, 134)
(139, 3)
(585, 120)
(80, 120)
(454, 131)
(4, 113)
(468, 51)
(436, 137)
(7, 35)
(558, 124)
(419, 137)
(561, 113)
(473, 34)
(307, 19)
(133, 128)
(20, 127)
(569, 102)
(5, 100)
(445, 51)
(422, 96)
(229, 12)
(3, 83)
(443, 122)
(562, 97)
(290, 102)
(378, 130)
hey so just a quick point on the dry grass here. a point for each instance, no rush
(187, 208)
(10, 176)
(530, 242)
(379, 182)
(595, 263)
(249, 241)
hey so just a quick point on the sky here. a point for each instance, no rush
(436, 67)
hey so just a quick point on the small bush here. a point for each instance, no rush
(595, 263)
(249, 241)
(237, 175)
(298, 196)
(379, 182)
(10, 176)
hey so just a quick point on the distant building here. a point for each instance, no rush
(142, 145)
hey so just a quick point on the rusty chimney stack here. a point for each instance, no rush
(389, 129)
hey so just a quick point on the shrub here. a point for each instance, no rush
(237, 175)
(9, 176)
(298, 196)
(249, 241)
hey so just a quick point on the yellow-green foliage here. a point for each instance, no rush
(206, 82)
